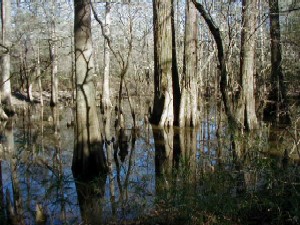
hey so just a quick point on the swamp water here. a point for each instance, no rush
(204, 175)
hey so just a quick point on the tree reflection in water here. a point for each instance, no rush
(163, 176)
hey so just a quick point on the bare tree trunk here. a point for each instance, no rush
(53, 58)
(245, 111)
(188, 115)
(163, 109)
(73, 75)
(26, 73)
(276, 109)
(88, 159)
(106, 103)
(222, 65)
(38, 75)
(175, 73)
(5, 58)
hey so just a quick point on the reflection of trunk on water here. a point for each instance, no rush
(14, 205)
(163, 139)
(58, 166)
(121, 149)
(238, 154)
(218, 135)
(42, 127)
(245, 153)
(90, 197)
(188, 146)
(166, 158)
(55, 116)
(2, 206)
(109, 152)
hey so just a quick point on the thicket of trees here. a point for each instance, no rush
(243, 53)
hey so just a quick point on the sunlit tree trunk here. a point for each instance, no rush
(88, 158)
(5, 58)
(164, 111)
(245, 112)
(38, 75)
(188, 115)
(106, 103)
(276, 109)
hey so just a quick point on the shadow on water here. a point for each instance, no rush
(204, 175)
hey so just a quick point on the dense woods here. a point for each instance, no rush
(189, 48)
(170, 64)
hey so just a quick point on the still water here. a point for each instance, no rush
(204, 175)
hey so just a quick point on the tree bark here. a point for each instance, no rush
(175, 73)
(5, 58)
(245, 112)
(276, 109)
(38, 75)
(188, 115)
(88, 159)
(164, 111)
(106, 103)
(53, 58)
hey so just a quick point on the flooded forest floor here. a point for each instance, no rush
(204, 175)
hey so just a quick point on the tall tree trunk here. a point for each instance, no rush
(88, 158)
(54, 79)
(276, 109)
(38, 75)
(215, 31)
(188, 105)
(163, 109)
(106, 103)
(5, 58)
(73, 75)
(175, 74)
(26, 73)
(245, 112)
(53, 58)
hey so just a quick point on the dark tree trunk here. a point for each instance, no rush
(175, 75)
(276, 109)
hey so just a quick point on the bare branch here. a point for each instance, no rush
(117, 54)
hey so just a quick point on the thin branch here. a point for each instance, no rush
(117, 54)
